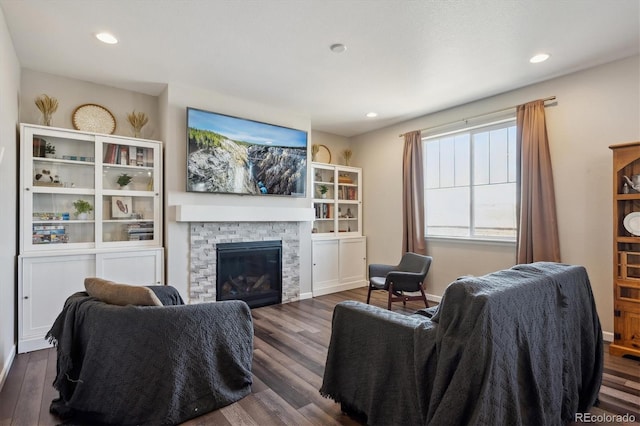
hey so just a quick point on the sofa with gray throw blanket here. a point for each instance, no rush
(130, 355)
(521, 346)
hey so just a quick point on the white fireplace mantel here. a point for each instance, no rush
(196, 213)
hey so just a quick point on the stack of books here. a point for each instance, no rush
(348, 193)
(128, 155)
(49, 234)
(140, 231)
(50, 216)
(324, 211)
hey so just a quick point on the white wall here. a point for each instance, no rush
(336, 145)
(177, 99)
(72, 93)
(595, 108)
(9, 106)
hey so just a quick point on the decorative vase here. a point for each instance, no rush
(124, 187)
(347, 157)
(46, 118)
(82, 216)
(137, 121)
(47, 106)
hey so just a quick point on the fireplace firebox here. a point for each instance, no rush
(249, 271)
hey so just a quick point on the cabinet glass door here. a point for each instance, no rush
(130, 201)
(348, 201)
(324, 200)
(58, 178)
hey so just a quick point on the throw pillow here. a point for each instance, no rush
(120, 294)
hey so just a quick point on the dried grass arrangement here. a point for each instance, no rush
(314, 151)
(346, 154)
(137, 121)
(47, 107)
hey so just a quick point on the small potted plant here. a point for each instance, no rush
(323, 191)
(83, 208)
(124, 180)
(49, 150)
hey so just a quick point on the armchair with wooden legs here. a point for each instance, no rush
(408, 276)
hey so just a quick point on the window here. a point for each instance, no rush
(470, 182)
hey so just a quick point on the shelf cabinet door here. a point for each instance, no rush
(353, 261)
(326, 261)
(626, 328)
(349, 200)
(141, 267)
(46, 283)
(129, 183)
(57, 172)
(631, 334)
(337, 192)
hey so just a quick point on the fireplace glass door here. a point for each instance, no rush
(249, 271)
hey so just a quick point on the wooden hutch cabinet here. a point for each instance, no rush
(626, 249)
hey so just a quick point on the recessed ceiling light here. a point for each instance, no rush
(338, 48)
(371, 114)
(106, 38)
(539, 58)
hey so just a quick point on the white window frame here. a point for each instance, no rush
(472, 238)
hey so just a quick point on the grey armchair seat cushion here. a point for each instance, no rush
(378, 282)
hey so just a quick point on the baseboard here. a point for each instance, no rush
(306, 296)
(434, 298)
(33, 344)
(7, 366)
(339, 287)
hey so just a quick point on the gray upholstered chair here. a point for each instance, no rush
(124, 358)
(407, 276)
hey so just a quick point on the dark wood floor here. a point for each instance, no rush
(290, 349)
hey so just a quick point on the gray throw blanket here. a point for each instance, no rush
(520, 347)
(148, 364)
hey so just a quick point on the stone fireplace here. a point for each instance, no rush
(210, 225)
(206, 236)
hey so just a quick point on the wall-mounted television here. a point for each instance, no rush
(235, 155)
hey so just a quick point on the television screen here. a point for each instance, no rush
(238, 156)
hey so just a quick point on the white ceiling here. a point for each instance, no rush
(404, 58)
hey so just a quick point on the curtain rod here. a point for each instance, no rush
(550, 98)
